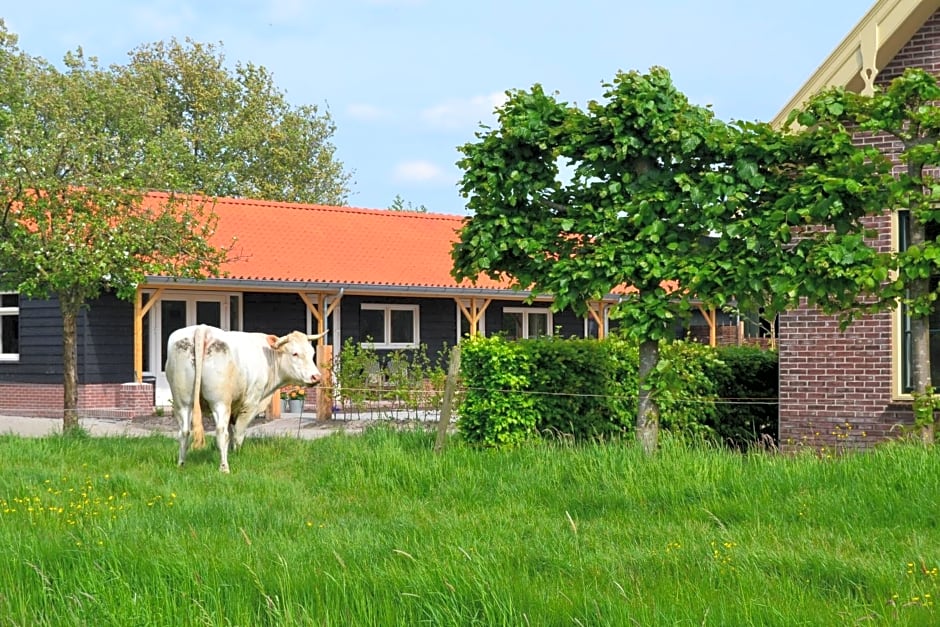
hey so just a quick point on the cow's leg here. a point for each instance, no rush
(221, 413)
(240, 428)
(184, 419)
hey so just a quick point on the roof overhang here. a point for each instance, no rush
(257, 285)
(865, 51)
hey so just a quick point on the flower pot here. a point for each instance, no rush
(285, 406)
(296, 405)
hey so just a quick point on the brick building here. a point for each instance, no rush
(848, 389)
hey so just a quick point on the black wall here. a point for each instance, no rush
(106, 336)
(105, 343)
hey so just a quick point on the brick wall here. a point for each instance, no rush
(836, 386)
(124, 400)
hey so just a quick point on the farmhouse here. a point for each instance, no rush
(376, 277)
(847, 389)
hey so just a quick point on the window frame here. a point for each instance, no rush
(387, 309)
(529, 311)
(904, 348)
(12, 312)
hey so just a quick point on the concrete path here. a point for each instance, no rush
(288, 425)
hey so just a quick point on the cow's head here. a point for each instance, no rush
(297, 357)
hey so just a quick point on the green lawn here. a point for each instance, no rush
(378, 530)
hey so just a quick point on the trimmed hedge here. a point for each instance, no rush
(585, 389)
(749, 387)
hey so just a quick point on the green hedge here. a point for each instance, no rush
(749, 387)
(579, 386)
(497, 408)
(585, 389)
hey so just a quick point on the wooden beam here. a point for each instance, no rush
(711, 317)
(138, 337)
(320, 310)
(474, 312)
(141, 309)
(598, 310)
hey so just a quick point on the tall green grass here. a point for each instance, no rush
(378, 530)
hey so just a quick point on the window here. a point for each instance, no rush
(9, 326)
(907, 345)
(389, 326)
(526, 322)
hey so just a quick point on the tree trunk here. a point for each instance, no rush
(69, 306)
(920, 325)
(647, 420)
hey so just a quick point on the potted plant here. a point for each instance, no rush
(285, 396)
(295, 399)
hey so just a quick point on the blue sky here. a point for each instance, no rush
(407, 81)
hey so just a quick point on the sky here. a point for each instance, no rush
(409, 81)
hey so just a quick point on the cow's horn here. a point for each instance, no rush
(281, 341)
(317, 336)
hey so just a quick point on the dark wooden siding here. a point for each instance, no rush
(437, 320)
(273, 313)
(105, 343)
(40, 345)
(565, 323)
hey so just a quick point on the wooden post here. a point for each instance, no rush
(450, 388)
(273, 411)
(325, 390)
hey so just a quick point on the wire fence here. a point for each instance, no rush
(424, 403)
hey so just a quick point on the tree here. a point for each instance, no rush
(72, 162)
(232, 132)
(400, 204)
(906, 112)
(662, 199)
(633, 211)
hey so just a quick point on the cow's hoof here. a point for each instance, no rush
(224, 469)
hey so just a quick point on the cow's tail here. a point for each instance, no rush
(199, 354)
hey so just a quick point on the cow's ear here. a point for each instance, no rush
(272, 341)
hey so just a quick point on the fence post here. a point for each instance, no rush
(450, 388)
(325, 390)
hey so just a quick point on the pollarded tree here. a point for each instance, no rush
(665, 199)
(235, 133)
(72, 224)
(906, 112)
(633, 208)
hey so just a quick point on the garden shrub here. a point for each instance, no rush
(408, 379)
(684, 385)
(497, 408)
(749, 386)
(587, 389)
(582, 386)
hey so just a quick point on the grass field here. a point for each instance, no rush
(378, 530)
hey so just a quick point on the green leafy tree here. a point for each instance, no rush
(400, 204)
(632, 209)
(647, 192)
(232, 132)
(72, 222)
(905, 112)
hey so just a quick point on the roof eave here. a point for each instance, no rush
(347, 288)
(867, 49)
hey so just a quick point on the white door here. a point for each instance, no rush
(176, 311)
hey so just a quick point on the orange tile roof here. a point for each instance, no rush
(290, 242)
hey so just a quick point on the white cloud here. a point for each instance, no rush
(367, 112)
(418, 171)
(281, 11)
(457, 114)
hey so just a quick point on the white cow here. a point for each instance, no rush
(233, 375)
